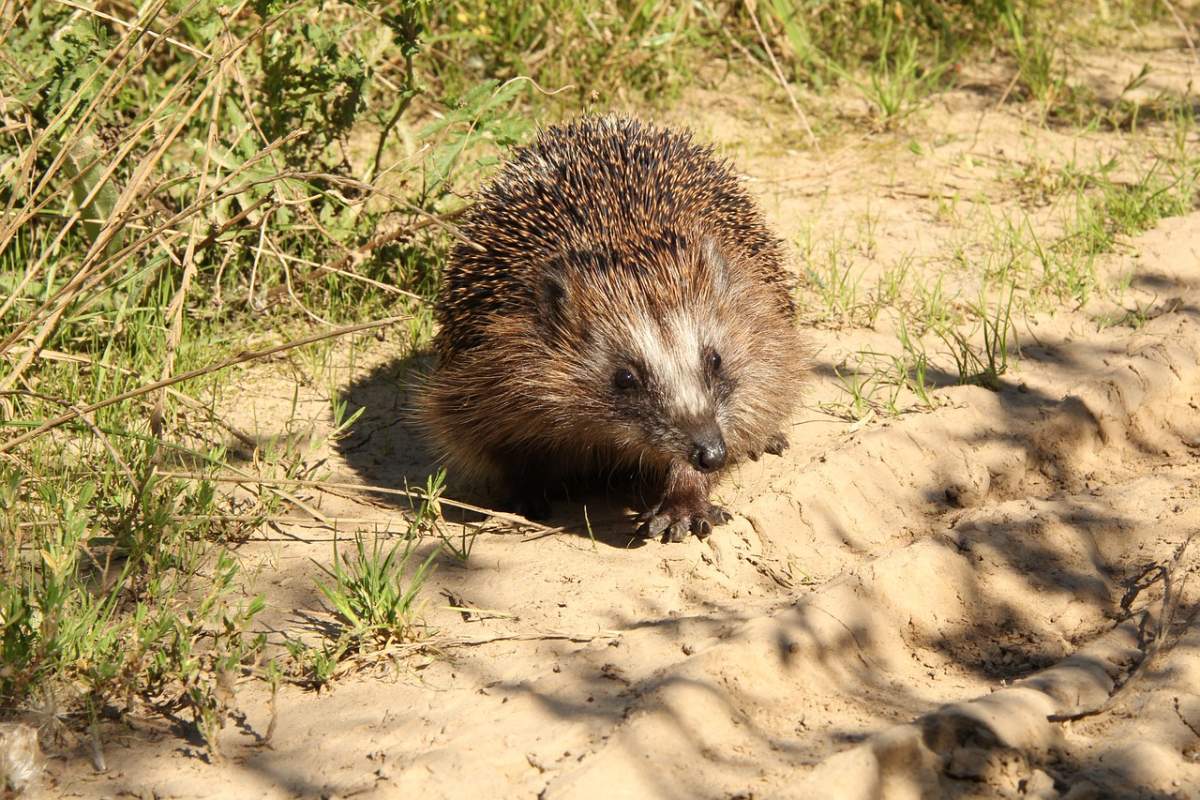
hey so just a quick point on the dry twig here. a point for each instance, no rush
(187, 376)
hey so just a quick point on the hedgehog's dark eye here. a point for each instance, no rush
(624, 379)
(713, 361)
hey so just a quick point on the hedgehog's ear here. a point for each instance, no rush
(552, 302)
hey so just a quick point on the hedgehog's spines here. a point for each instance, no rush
(593, 180)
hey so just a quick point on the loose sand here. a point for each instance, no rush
(991, 598)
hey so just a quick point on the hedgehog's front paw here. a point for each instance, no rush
(775, 445)
(674, 523)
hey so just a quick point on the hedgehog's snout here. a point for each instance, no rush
(708, 452)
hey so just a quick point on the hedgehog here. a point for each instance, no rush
(616, 306)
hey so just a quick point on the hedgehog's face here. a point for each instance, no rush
(654, 355)
(644, 354)
(667, 383)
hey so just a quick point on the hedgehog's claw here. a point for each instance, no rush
(718, 515)
(652, 524)
(776, 444)
(674, 526)
(678, 531)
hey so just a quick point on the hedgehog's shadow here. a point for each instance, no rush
(386, 448)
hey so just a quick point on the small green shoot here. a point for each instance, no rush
(373, 595)
(836, 288)
(985, 366)
(1039, 72)
(898, 79)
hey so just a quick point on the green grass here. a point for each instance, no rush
(1099, 212)
(898, 78)
(256, 172)
(1042, 256)
(836, 286)
(369, 590)
(1041, 75)
(170, 203)
(983, 363)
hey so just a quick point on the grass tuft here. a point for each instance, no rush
(370, 593)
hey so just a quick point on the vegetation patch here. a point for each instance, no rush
(190, 187)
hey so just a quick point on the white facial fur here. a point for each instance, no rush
(672, 351)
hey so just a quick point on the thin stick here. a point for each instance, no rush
(340, 265)
(435, 643)
(1187, 37)
(409, 92)
(277, 519)
(99, 434)
(187, 376)
(73, 358)
(780, 77)
(175, 307)
(524, 637)
(999, 104)
(139, 28)
(236, 219)
(1162, 622)
(322, 269)
(416, 494)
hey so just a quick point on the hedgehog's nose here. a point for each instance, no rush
(709, 454)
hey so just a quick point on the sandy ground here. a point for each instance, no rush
(988, 599)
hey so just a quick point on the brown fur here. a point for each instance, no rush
(602, 237)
